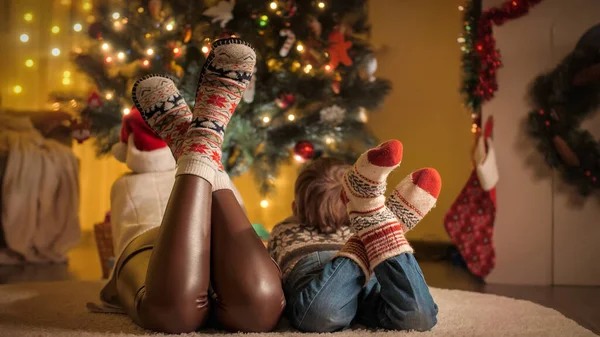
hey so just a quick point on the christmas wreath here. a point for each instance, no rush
(562, 99)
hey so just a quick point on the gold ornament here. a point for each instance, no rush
(154, 7)
(177, 69)
(564, 151)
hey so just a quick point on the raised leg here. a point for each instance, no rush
(162, 277)
(244, 277)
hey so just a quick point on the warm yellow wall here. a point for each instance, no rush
(424, 110)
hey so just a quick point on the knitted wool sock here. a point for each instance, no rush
(363, 192)
(226, 73)
(163, 108)
(415, 196)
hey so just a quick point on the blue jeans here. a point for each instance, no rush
(326, 295)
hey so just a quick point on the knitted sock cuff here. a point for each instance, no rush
(222, 182)
(355, 251)
(198, 166)
(384, 241)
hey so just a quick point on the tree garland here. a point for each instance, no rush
(561, 100)
(481, 58)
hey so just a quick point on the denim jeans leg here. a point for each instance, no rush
(322, 294)
(397, 297)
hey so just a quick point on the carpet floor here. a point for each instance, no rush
(58, 309)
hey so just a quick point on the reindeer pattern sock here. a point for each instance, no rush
(223, 79)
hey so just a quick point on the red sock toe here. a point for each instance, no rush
(429, 180)
(387, 154)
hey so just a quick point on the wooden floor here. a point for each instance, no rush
(581, 304)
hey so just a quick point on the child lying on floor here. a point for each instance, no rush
(346, 260)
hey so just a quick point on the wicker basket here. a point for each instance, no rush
(103, 234)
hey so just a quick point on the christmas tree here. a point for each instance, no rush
(313, 87)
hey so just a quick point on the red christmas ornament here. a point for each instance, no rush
(305, 150)
(95, 30)
(81, 130)
(285, 100)
(338, 49)
(94, 101)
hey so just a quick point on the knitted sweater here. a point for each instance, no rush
(290, 241)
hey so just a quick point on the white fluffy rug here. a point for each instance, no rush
(58, 309)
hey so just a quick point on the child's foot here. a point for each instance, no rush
(163, 108)
(363, 192)
(415, 196)
(224, 77)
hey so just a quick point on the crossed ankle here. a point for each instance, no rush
(355, 251)
(384, 241)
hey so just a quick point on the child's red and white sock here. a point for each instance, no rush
(224, 77)
(415, 196)
(163, 108)
(363, 191)
(355, 251)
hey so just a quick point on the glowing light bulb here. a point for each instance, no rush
(150, 51)
(205, 49)
(300, 47)
(327, 67)
(105, 46)
(461, 8)
(308, 68)
(66, 81)
(28, 17)
(55, 51)
(329, 140)
(55, 29)
(24, 38)
(273, 5)
(87, 6)
(116, 15)
(77, 27)
(461, 40)
(126, 111)
(264, 203)
(291, 117)
(264, 18)
(266, 119)
(321, 4)
(109, 96)
(298, 158)
(176, 50)
(117, 25)
(29, 63)
(141, 10)
(17, 89)
(145, 63)
(121, 55)
(66, 73)
(169, 27)
(108, 59)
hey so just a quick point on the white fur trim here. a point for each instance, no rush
(487, 169)
(119, 151)
(159, 160)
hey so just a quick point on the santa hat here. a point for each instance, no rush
(140, 147)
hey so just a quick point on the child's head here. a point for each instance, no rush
(317, 200)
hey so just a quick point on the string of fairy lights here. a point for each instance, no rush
(26, 37)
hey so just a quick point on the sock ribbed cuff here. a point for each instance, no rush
(384, 241)
(222, 182)
(355, 251)
(198, 166)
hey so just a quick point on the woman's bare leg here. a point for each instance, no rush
(164, 288)
(244, 277)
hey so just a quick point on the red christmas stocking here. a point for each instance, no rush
(470, 220)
